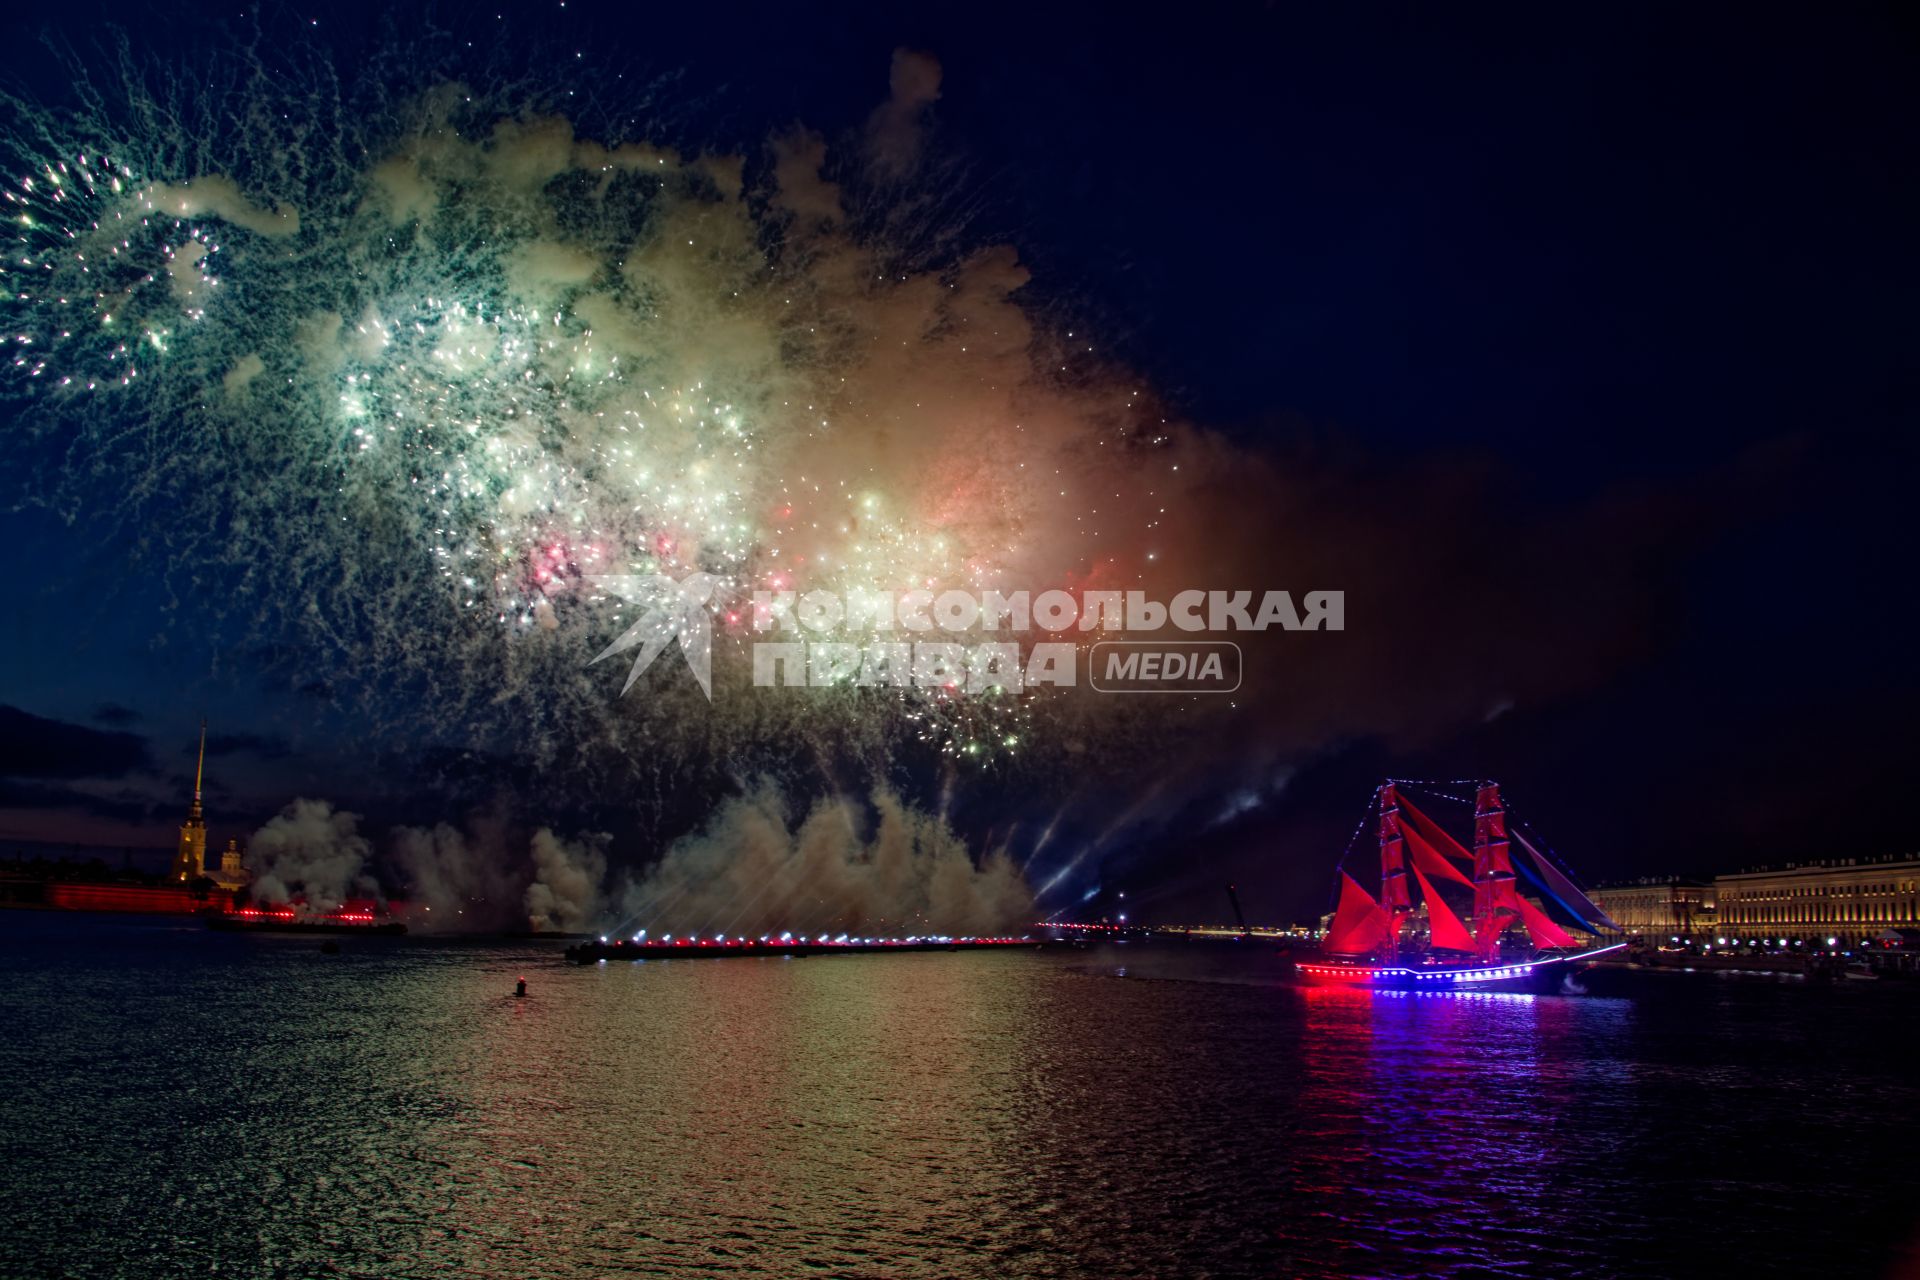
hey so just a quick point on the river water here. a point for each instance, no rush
(183, 1103)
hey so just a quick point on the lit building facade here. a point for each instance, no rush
(1671, 906)
(230, 876)
(1852, 899)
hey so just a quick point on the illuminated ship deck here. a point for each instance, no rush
(1508, 975)
(670, 948)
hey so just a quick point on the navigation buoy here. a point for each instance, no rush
(520, 988)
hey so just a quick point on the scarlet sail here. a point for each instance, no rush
(1544, 932)
(1448, 933)
(1359, 925)
(1416, 851)
(1428, 859)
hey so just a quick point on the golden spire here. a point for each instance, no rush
(190, 863)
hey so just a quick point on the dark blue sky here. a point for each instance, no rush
(1608, 253)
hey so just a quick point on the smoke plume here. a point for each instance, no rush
(312, 854)
(460, 881)
(892, 869)
(565, 895)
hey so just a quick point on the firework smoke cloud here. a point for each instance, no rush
(407, 377)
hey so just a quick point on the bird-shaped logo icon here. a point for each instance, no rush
(669, 610)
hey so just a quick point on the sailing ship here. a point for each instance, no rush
(1508, 940)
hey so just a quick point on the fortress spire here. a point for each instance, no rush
(190, 857)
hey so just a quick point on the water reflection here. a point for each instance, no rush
(738, 1115)
(1445, 1143)
(175, 1101)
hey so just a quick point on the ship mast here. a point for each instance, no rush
(1395, 899)
(1493, 886)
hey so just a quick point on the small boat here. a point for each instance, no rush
(1410, 938)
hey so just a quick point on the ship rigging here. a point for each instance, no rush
(1507, 939)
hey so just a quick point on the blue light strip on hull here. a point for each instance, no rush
(1485, 974)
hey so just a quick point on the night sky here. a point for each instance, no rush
(1614, 305)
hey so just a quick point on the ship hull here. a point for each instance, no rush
(1536, 974)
